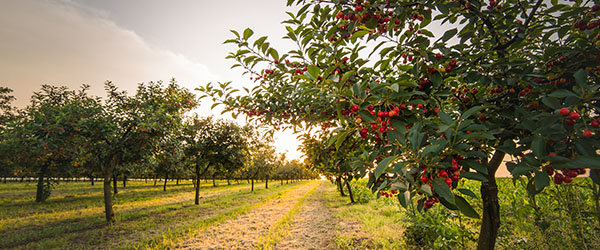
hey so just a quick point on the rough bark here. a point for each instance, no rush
(115, 184)
(350, 192)
(197, 181)
(490, 220)
(252, 184)
(40, 195)
(166, 179)
(108, 209)
(267, 182)
(339, 183)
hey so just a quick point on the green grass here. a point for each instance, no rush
(146, 215)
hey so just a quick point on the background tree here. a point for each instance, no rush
(130, 127)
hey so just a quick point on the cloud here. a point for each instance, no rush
(62, 43)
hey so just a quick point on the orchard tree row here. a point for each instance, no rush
(421, 94)
(150, 134)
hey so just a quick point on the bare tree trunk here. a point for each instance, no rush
(41, 195)
(197, 181)
(155, 179)
(252, 184)
(350, 191)
(115, 184)
(339, 183)
(177, 182)
(267, 182)
(124, 180)
(490, 221)
(166, 178)
(92, 180)
(214, 183)
(108, 209)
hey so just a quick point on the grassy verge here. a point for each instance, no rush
(378, 223)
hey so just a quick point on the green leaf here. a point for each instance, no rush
(541, 180)
(467, 192)
(313, 70)
(449, 34)
(581, 78)
(382, 165)
(442, 189)
(445, 118)
(274, 53)
(395, 87)
(561, 93)
(404, 198)
(465, 207)
(340, 139)
(359, 34)
(366, 116)
(426, 189)
(247, 33)
(538, 145)
(470, 112)
(551, 102)
(595, 176)
(474, 176)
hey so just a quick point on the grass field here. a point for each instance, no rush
(146, 215)
(299, 215)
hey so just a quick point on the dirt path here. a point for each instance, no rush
(246, 231)
(314, 227)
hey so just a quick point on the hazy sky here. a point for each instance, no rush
(72, 42)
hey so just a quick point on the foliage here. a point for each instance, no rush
(516, 78)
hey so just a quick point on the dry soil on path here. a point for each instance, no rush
(246, 231)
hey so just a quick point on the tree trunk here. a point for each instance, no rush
(281, 182)
(214, 183)
(228, 183)
(339, 183)
(155, 179)
(350, 192)
(115, 184)
(124, 180)
(267, 182)
(22, 178)
(252, 184)
(40, 195)
(177, 181)
(490, 221)
(5, 179)
(108, 209)
(197, 181)
(166, 178)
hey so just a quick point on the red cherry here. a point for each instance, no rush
(358, 8)
(564, 111)
(587, 134)
(443, 173)
(574, 115)
(448, 181)
(568, 179)
(424, 179)
(438, 56)
(354, 108)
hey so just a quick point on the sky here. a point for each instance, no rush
(75, 42)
